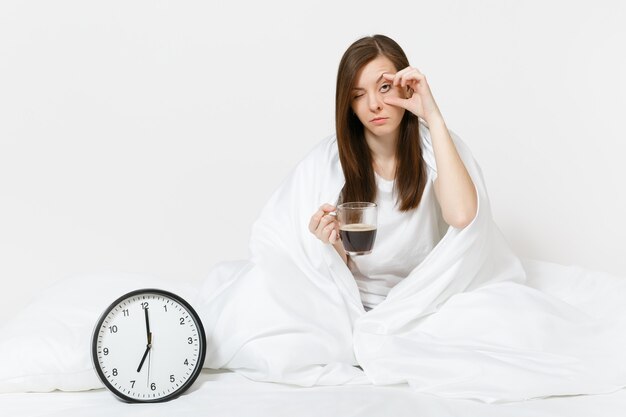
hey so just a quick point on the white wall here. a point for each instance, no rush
(146, 136)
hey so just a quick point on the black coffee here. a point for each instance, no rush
(358, 237)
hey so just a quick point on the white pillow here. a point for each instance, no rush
(47, 346)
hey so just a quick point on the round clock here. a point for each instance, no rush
(148, 346)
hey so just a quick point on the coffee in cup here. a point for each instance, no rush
(357, 227)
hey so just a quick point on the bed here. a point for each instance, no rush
(54, 361)
(226, 393)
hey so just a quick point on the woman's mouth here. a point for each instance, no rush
(379, 120)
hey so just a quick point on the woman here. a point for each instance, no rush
(380, 100)
(457, 313)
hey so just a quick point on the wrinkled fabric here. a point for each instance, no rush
(465, 323)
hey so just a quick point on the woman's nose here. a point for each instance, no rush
(375, 102)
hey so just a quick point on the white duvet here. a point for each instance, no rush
(470, 321)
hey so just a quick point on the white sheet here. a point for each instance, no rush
(463, 324)
(227, 394)
(471, 321)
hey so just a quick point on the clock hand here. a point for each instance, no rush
(147, 325)
(148, 347)
(149, 358)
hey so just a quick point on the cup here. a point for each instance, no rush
(357, 226)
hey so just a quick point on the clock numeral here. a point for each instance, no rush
(153, 386)
(186, 362)
(105, 351)
(165, 307)
(114, 371)
(113, 329)
(182, 321)
(172, 379)
(189, 340)
(126, 313)
(132, 384)
(144, 305)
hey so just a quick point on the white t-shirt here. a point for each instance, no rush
(403, 240)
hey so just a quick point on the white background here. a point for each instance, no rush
(146, 136)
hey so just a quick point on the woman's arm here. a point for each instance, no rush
(454, 187)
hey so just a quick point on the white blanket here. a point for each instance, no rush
(466, 322)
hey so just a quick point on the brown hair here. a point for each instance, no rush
(354, 154)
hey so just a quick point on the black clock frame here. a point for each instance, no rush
(201, 337)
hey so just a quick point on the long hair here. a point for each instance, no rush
(354, 154)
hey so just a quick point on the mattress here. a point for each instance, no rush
(226, 393)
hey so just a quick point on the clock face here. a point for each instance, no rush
(148, 346)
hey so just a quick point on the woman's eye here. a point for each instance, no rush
(385, 87)
(355, 97)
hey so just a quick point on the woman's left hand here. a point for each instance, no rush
(420, 99)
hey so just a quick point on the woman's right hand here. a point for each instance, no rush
(325, 226)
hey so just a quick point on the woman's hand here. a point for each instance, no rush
(420, 100)
(325, 226)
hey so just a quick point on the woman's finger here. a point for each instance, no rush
(323, 234)
(389, 76)
(326, 232)
(397, 77)
(401, 76)
(394, 78)
(324, 223)
(317, 216)
(315, 220)
(397, 101)
(413, 76)
(333, 236)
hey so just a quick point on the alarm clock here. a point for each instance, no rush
(148, 346)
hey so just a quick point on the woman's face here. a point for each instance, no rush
(378, 118)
